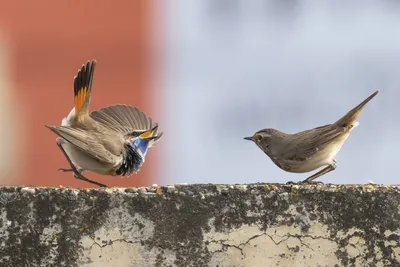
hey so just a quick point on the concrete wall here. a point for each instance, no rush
(201, 225)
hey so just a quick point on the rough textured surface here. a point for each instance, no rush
(201, 225)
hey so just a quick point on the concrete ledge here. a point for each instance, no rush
(201, 225)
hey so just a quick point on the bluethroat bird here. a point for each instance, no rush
(111, 141)
(311, 149)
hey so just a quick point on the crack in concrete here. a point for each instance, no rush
(111, 242)
(284, 240)
(225, 246)
(239, 247)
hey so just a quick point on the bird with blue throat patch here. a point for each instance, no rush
(111, 141)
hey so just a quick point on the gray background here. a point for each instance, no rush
(234, 67)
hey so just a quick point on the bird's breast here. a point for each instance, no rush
(130, 163)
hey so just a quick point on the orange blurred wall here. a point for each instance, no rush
(49, 41)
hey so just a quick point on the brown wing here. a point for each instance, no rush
(95, 148)
(124, 119)
(306, 143)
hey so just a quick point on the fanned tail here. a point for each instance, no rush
(82, 88)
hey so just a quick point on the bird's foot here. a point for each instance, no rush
(65, 170)
(71, 170)
(304, 182)
(79, 176)
(76, 170)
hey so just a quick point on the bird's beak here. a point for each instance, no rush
(248, 138)
(156, 137)
(154, 128)
(149, 133)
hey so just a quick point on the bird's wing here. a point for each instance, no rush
(305, 144)
(124, 119)
(87, 143)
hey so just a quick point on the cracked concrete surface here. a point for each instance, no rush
(201, 225)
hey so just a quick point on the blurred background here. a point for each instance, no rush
(210, 72)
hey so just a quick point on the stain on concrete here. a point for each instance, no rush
(201, 225)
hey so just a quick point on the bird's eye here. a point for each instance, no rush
(259, 138)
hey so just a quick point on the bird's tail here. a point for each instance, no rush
(82, 88)
(350, 118)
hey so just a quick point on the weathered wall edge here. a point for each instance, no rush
(201, 225)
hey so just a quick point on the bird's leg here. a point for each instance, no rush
(71, 170)
(329, 168)
(310, 180)
(78, 174)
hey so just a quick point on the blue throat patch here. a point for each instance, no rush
(132, 159)
(141, 144)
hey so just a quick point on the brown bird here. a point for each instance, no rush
(311, 149)
(110, 141)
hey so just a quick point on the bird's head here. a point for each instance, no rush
(143, 140)
(266, 139)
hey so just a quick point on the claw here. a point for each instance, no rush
(304, 182)
(70, 170)
(65, 170)
(314, 182)
(310, 182)
(79, 176)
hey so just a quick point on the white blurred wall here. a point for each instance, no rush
(234, 67)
